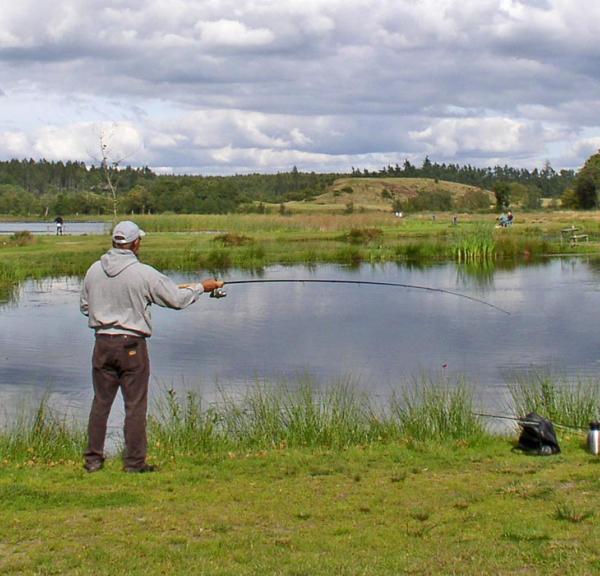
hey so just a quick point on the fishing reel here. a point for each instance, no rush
(218, 293)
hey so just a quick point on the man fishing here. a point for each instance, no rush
(116, 296)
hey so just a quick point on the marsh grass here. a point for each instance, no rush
(302, 413)
(267, 415)
(233, 239)
(41, 435)
(436, 410)
(363, 235)
(219, 242)
(423, 250)
(183, 425)
(566, 403)
(523, 246)
(476, 244)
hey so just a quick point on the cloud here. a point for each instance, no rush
(14, 144)
(453, 136)
(231, 33)
(350, 80)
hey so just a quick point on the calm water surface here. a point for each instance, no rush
(70, 228)
(378, 336)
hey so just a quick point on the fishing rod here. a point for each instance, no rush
(220, 293)
(525, 421)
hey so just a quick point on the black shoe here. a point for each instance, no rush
(142, 469)
(93, 466)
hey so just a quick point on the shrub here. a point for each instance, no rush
(232, 239)
(23, 238)
(440, 200)
(363, 235)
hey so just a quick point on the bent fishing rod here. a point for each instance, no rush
(220, 293)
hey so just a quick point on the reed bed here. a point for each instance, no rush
(305, 414)
(430, 410)
(41, 435)
(475, 245)
(269, 415)
(563, 402)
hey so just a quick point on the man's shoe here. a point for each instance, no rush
(142, 469)
(93, 466)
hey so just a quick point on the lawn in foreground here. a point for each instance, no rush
(383, 509)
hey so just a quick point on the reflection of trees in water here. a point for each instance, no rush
(591, 262)
(8, 293)
(481, 274)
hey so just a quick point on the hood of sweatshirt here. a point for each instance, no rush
(116, 260)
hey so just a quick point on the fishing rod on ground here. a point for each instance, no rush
(525, 421)
(221, 293)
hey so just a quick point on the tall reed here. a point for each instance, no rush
(182, 424)
(298, 413)
(41, 435)
(567, 403)
(474, 245)
(301, 415)
(437, 410)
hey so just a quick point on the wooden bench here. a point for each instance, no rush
(576, 238)
(571, 234)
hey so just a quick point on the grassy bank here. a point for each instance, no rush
(374, 510)
(212, 244)
(307, 414)
(293, 479)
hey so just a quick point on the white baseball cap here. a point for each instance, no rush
(126, 232)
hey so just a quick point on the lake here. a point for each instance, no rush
(379, 337)
(70, 228)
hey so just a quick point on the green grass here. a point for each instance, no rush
(566, 403)
(386, 509)
(299, 413)
(304, 414)
(213, 243)
(293, 478)
(437, 411)
(475, 245)
(41, 434)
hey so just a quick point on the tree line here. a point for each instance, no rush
(30, 187)
(549, 183)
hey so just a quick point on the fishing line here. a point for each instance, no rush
(367, 283)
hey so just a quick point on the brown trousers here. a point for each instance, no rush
(119, 362)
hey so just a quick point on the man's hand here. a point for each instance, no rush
(211, 284)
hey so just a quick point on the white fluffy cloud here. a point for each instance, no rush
(495, 136)
(232, 33)
(230, 85)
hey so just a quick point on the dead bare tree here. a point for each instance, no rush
(110, 168)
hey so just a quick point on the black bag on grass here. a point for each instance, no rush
(537, 436)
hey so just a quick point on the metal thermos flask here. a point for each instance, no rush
(594, 438)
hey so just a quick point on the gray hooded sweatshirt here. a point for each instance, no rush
(118, 291)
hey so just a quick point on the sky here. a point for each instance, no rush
(238, 86)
